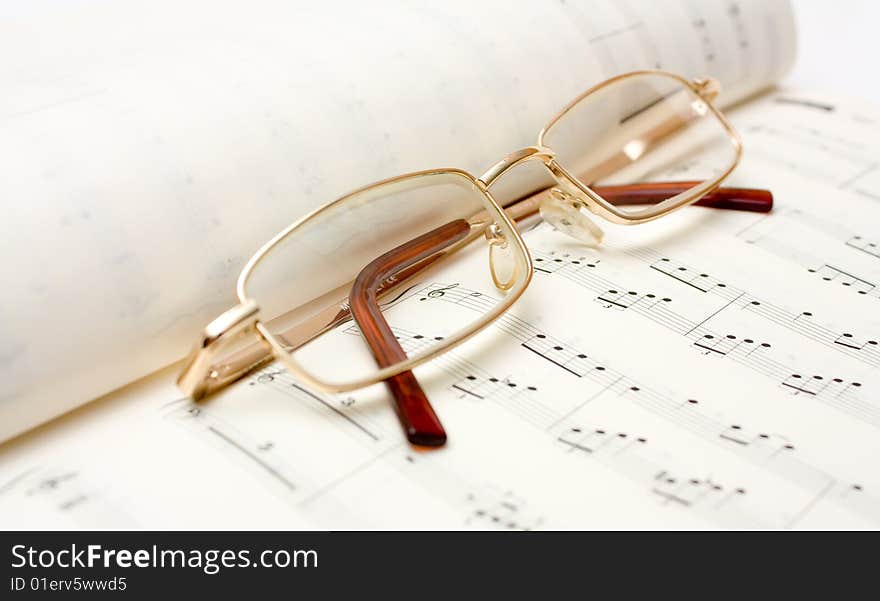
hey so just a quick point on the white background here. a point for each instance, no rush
(838, 47)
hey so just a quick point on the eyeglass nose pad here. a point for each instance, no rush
(564, 212)
(502, 263)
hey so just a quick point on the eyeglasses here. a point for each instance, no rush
(336, 279)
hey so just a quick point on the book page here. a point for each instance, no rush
(704, 370)
(150, 148)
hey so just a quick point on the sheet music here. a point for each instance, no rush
(684, 374)
(149, 148)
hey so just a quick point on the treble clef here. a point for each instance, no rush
(440, 292)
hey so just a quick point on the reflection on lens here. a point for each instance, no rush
(644, 127)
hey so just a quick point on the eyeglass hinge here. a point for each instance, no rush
(197, 377)
(708, 88)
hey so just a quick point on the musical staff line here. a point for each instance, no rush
(284, 380)
(764, 450)
(336, 410)
(790, 320)
(813, 502)
(250, 455)
(745, 351)
(10, 484)
(589, 399)
(714, 314)
(860, 244)
(633, 457)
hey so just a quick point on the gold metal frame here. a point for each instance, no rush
(706, 89)
(514, 292)
(205, 372)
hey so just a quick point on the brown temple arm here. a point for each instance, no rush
(739, 199)
(242, 361)
(416, 415)
(420, 422)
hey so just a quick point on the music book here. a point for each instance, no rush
(710, 369)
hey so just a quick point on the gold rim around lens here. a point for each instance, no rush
(609, 211)
(520, 252)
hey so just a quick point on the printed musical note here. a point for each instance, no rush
(690, 492)
(483, 388)
(735, 13)
(48, 484)
(632, 454)
(708, 47)
(738, 435)
(854, 497)
(70, 495)
(256, 457)
(500, 510)
(456, 295)
(477, 387)
(691, 444)
(473, 383)
(598, 440)
(554, 351)
(854, 342)
(743, 350)
(439, 290)
(726, 345)
(625, 299)
(410, 342)
(343, 407)
(485, 504)
(815, 385)
(552, 263)
(262, 454)
(768, 450)
(701, 281)
(801, 322)
(833, 274)
(859, 243)
(771, 451)
(778, 455)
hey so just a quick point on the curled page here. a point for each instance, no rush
(149, 148)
